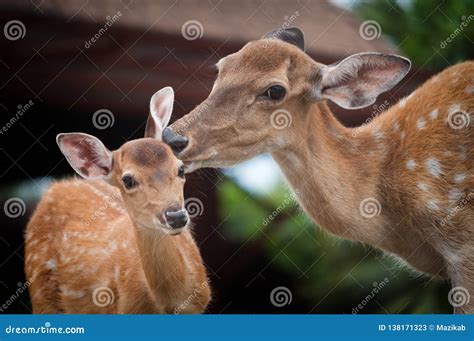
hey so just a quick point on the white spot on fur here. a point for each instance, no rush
(51, 264)
(70, 292)
(117, 273)
(454, 108)
(434, 114)
(424, 187)
(421, 123)
(402, 135)
(433, 167)
(376, 132)
(459, 177)
(432, 204)
(470, 89)
(411, 164)
(403, 102)
(396, 126)
(455, 195)
(463, 155)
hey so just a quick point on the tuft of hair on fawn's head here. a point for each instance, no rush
(150, 178)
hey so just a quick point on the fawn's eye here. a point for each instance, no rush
(128, 181)
(181, 171)
(275, 92)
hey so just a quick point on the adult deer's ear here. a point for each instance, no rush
(356, 81)
(161, 107)
(291, 35)
(86, 154)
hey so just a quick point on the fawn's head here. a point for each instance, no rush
(269, 83)
(150, 178)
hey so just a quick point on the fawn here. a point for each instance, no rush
(117, 242)
(403, 182)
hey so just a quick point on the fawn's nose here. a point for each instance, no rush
(175, 141)
(176, 219)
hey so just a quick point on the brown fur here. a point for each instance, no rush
(333, 168)
(87, 234)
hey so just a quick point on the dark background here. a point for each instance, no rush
(146, 50)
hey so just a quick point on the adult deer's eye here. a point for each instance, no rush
(128, 181)
(275, 92)
(181, 172)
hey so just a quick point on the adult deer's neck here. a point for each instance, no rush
(163, 264)
(333, 169)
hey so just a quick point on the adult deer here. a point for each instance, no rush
(117, 242)
(403, 183)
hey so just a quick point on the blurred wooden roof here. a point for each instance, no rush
(145, 49)
(329, 30)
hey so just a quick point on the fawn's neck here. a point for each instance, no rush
(163, 264)
(332, 170)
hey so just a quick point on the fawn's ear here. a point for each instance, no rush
(290, 35)
(356, 81)
(86, 154)
(161, 107)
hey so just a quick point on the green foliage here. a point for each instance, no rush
(330, 274)
(420, 28)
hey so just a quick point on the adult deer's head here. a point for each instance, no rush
(268, 85)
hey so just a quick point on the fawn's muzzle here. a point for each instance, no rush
(175, 141)
(176, 219)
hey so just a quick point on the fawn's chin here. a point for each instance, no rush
(172, 231)
(166, 228)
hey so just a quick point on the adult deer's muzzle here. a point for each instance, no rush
(177, 142)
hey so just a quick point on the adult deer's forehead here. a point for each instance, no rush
(261, 56)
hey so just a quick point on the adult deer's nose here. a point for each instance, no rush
(175, 141)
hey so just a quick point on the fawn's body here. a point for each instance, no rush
(116, 242)
(73, 255)
(411, 168)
